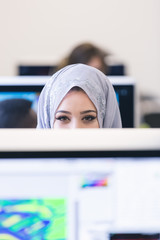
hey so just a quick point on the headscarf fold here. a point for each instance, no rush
(94, 83)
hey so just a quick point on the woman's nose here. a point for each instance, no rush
(77, 124)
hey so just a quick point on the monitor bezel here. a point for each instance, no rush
(78, 154)
(89, 143)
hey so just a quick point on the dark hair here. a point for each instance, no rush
(83, 53)
(16, 113)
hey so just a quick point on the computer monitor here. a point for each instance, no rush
(29, 87)
(125, 88)
(36, 70)
(22, 87)
(42, 70)
(80, 184)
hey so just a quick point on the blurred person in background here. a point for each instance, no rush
(86, 53)
(17, 113)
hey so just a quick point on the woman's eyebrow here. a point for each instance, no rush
(63, 111)
(88, 111)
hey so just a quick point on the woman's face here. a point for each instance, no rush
(97, 63)
(76, 111)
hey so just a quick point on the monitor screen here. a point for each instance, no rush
(41, 70)
(80, 193)
(36, 70)
(22, 88)
(29, 87)
(125, 92)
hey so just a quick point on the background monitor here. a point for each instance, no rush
(36, 70)
(86, 184)
(41, 70)
(125, 89)
(29, 87)
(22, 87)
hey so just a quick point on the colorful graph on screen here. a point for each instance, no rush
(36, 219)
(90, 182)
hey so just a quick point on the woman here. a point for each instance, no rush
(86, 53)
(78, 96)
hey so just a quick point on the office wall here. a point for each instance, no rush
(43, 31)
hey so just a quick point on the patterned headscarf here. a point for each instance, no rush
(94, 83)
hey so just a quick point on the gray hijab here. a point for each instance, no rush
(95, 84)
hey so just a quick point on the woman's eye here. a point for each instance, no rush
(89, 118)
(62, 118)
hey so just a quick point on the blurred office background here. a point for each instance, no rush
(38, 32)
